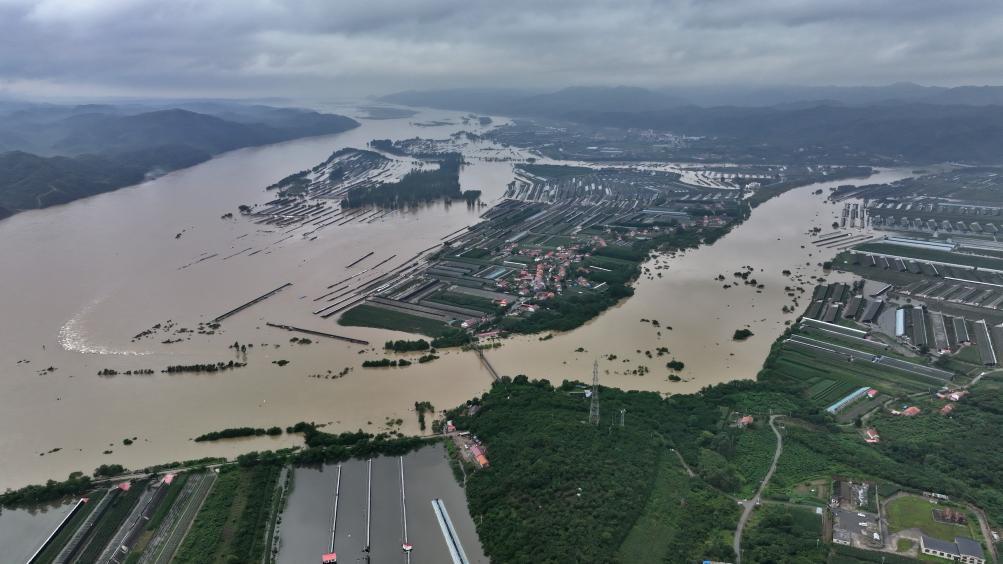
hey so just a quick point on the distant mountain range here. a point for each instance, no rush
(902, 122)
(626, 98)
(51, 154)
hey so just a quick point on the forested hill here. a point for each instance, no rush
(54, 154)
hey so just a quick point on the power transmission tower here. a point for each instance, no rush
(594, 408)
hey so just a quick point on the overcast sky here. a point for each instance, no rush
(339, 48)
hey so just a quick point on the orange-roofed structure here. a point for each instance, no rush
(910, 411)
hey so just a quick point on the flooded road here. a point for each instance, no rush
(82, 280)
(306, 522)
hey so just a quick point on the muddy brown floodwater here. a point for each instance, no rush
(81, 280)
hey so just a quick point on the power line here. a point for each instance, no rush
(594, 407)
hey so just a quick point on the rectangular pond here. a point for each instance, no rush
(306, 528)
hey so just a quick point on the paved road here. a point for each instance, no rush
(751, 504)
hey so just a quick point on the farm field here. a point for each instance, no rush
(909, 511)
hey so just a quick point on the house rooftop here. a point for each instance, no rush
(968, 547)
(934, 543)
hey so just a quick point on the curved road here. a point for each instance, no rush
(751, 504)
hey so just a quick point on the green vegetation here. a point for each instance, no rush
(237, 432)
(663, 532)
(366, 315)
(205, 367)
(230, 527)
(568, 311)
(741, 334)
(328, 447)
(549, 468)
(416, 187)
(109, 470)
(109, 148)
(52, 490)
(384, 363)
(423, 407)
(407, 346)
(785, 534)
(452, 337)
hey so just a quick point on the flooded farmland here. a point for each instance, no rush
(309, 514)
(83, 282)
(697, 316)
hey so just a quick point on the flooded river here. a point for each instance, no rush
(81, 280)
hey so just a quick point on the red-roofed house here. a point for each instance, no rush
(871, 435)
(745, 421)
(910, 411)
(947, 409)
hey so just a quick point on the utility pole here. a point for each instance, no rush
(594, 408)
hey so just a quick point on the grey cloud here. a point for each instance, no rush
(320, 48)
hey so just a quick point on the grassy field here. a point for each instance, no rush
(662, 532)
(649, 538)
(811, 369)
(370, 316)
(230, 527)
(464, 300)
(909, 512)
